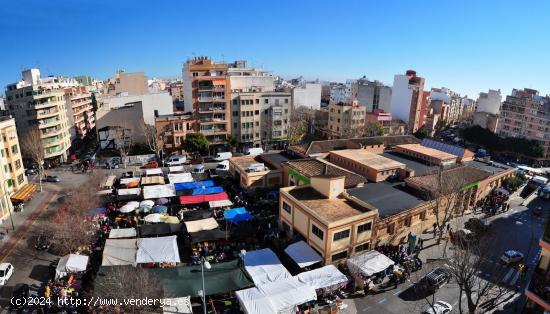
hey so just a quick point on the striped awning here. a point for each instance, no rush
(24, 193)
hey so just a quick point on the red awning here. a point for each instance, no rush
(196, 199)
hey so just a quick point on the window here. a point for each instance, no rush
(286, 100)
(17, 164)
(340, 255)
(257, 112)
(235, 113)
(235, 125)
(266, 101)
(2, 152)
(341, 235)
(408, 221)
(257, 101)
(11, 169)
(390, 228)
(20, 178)
(287, 207)
(364, 227)
(318, 232)
(362, 247)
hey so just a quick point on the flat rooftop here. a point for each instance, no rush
(451, 179)
(389, 198)
(419, 168)
(371, 160)
(331, 210)
(491, 167)
(274, 160)
(427, 151)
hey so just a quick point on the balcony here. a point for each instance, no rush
(50, 133)
(53, 151)
(211, 109)
(51, 142)
(46, 104)
(46, 113)
(47, 123)
(539, 288)
(213, 131)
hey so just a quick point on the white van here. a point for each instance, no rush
(176, 160)
(198, 168)
(223, 166)
(255, 151)
(223, 156)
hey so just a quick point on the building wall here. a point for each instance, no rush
(427, 158)
(489, 102)
(130, 84)
(159, 103)
(346, 120)
(486, 120)
(12, 160)
(172, 131)
(373, 95)
(128, 117)
(308, 96)
(401, 98)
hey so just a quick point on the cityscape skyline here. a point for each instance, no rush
(468, 53)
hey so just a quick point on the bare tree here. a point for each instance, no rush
(123, 139)
(32, 148)
(297, 128)
(152, 139)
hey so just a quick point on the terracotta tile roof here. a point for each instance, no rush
(312, 167)
(427, 151)
(453, 179)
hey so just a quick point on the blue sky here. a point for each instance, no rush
(468, 46)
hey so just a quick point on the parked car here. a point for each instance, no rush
(30, 171)
(6, 271)
(223, 166)
(52, 179)
(198, 168)
(537, 211)
(42, 243)
(151, 164)
(223, 156)
(478, 226)
(176, 160)
(435, 279)
(439, 307)
(511, 257)
(254, 151)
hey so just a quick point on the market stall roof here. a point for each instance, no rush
(122, 233)
(134, 191)
(209, 235)
(180, 305)
(125, 181)
(210, 190)
(196, 199)
(276, 297)
(119, 252)
(160, 229)
(368, 263)
(152, 180)
(264, 266)
(158, 191)
(237, 214)
(24, 193)
(216, 204)
(109, 181)
(187, 281)
(302, 254)
(201, 225)
(153, 172)
(323, 277)
(153, 218)
(180, 177)
(196, 214)
(193, 185)
(158, 250)
(173, 169)
(71, 263)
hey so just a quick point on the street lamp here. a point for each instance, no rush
(7, 203)
(204, 263)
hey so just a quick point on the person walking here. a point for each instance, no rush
(434, 228)
(420, 243)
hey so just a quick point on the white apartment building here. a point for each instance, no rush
(247, 79)
(489, 102)
(372, 95)
(406, 99)
(307, 95)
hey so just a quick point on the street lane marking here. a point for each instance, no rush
(397, 292)
(381, 301)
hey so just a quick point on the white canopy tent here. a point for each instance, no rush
(174, 169)
(180, 177)
(302, 254)
(323, 277)
(127, 209)
(223, 203)
(153, 218)
(264, 266)
(368, 263)
(122, 233)
(177, 306)
(71, 263)
(201, 225)
(153, 172)
(280, 297)
(157, 250)
(158, 191)
(129, 180)
(119, 252)
(133, 191)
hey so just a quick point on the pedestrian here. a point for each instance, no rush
(448, 227)
(434, 228)
(421, 243)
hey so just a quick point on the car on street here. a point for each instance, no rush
(53, 179)
(151, 165)
(439, 307)
(176, 160)
(198, 168)
(6, 271)
(511, 257)
(537, 211)
(435, 279)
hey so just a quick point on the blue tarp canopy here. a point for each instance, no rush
(237, 214)
(210, 190)
(193, 185)
(160, 209)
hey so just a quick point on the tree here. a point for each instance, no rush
(152, 140)
(232, 142)
(32, 148)
(297, 128)
(421, 134)
(512, 183)
(196, 143)
(123, 139)
(373, 129)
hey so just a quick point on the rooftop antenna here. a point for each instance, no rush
(223, 58)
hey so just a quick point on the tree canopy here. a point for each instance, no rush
(517, 146)
(196, 143)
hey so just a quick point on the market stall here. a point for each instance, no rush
(193, 185)
(158, 250)
(322, 278)
(223, 203)
(71, 263)
(302, 254)
(119, 252)
(201, 225)
(238, 214)
(152, 180)
(196, 214)
(197, 199)
(177, 306)
(132, 182)
(122, 233)
(180, 177)
(161, 229)
(153, 172)
(264, 266)
(368, 263)
(176, 169)
(158, 191)
(128, 194)
(209, 190)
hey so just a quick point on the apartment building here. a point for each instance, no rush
(406, 100)
(79, 111)
(176, 91)
(172, 131)
(527, 114)
(11, 158)
(374, 95)
(248, 79)
(207, 94)
(306, 94)
(37, 102)
(126, 83)
(346, 120)
(537, 290)
(380, 117)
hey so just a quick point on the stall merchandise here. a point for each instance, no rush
(180, 177)
(197, 199)
(126, 181)
(236, 215)
(303, 254)
(264, 266)
(158, 191)
(158, 250)
(193, 185)
(119, 252)
(122, 233)
(369, 263)
(324, 277)
(71, 263)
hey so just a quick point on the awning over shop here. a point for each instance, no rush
(279, 297)
(324, 277)
(134, 191)
(210, 190)
(216, 204)
(193, 185)
(160, 229)
(71, 263)
(368, 263)
(197, 199)
(158, 250)
(238, 214)
(158, 191)
(152, 180)
(173, 169)
(302, 254)
(201, 225)
(153, 172)
(180, 177)
(24, 193)
(122, 233)
(119, 252)
(264, 266)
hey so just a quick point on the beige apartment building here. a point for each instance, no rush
(346, 120)
(127, 83)
(37, 102)
(172, 131)
(79, 111)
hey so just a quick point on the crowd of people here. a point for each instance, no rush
(494, 202)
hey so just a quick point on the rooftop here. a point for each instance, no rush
(312, 167)
(331, 210)
(451, 179)
(389, 198)
(427, 151)
(451, 149)
(273, 160)
(419, 168)
(371, 160)
(491, 167)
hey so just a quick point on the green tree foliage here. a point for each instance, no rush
(518, 146)
(421, 134)
(196, 143)
(512, 183)
(232, 142)
(373, 129)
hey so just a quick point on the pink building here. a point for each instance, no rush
(380, 116)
